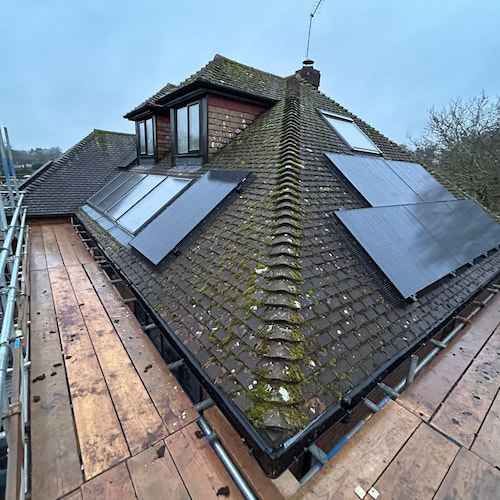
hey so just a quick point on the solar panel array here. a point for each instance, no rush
(386, 182)
(131, 200)
(164, 233)
(416, 245)
(417, 232)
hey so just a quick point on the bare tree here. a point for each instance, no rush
(463, 142)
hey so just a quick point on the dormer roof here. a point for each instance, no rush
(223, 75)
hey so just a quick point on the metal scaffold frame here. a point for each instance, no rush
(14, 341)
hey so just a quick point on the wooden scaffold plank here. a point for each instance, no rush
(141, 422)
(153, 473)
(55, 456)
(168, 396)
(192, 454)
(100, 435)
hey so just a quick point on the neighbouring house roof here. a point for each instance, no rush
(62, 186)
(266, 296)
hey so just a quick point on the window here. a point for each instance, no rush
(145, 133)
(350, 133)
(129, 201)
(188, 128)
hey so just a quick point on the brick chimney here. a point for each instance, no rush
(309, 73)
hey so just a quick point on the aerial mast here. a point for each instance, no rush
(311, 16)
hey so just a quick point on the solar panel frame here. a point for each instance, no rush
(134, 219)
(108, 188)
(119, 192)
(165, 232)
(134, 195)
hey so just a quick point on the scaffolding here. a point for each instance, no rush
(14, 344)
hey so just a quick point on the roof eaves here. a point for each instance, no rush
(150, 102)
(186, 92)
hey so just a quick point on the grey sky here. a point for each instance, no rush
(71, 66)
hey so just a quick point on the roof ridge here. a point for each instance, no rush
(66, 156)
(111, 132)
(224, 58)
(283, 347)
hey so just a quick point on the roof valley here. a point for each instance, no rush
(283, 348)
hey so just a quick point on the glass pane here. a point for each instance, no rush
(142, 138)
(149, 137)
(134, 195)
(120, 191)
(150, 205)
(354, 136)
(108, 188)
(194, 127)
(182, 130)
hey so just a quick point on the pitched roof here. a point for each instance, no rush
(226, 75)
(152, 102)
(267, 295)
(62, 186)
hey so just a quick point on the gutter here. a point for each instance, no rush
(275, 460)
(392, 392)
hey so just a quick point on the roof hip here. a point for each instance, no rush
(282, 349)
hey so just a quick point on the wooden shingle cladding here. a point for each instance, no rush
(163, 137)
(227, 118)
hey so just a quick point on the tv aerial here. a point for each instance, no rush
(311, 17)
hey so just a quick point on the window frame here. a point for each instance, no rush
(142, 133)
(190, 151)
(328, 114)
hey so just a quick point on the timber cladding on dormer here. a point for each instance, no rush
(204, 113)
(163, 137)
(226, 119)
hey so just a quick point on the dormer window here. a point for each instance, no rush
(350, 133)
(146, 138)
(189, 122)
(188, 128)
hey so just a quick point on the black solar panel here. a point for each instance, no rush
(416, 245)
(482, 231)
(128, 160)
(407, 254)
(374, 180)
(171, 226)
(428, 188)
(386, 182)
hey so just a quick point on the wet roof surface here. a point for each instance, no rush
(267, 293)
(67, 183)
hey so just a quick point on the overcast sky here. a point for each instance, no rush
(69, 66)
